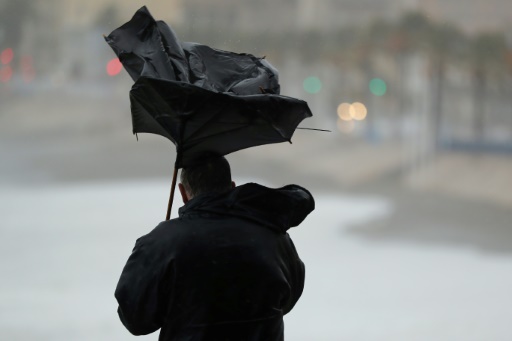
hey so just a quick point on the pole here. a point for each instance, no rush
(171, 197)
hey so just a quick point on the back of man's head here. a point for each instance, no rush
(213, 175)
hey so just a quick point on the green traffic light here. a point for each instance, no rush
(312, 85)
(378, 87)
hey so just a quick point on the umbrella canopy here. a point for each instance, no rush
(200, 122)
(151, 48)
(203, 99)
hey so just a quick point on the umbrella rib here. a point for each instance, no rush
(204, 125)
(208, 121)
(315, 129)
(231, 130)
(218, 113)
(221, 133)
(163, 99)
(156, 117)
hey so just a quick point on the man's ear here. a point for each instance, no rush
(183, 192)
(233, 185)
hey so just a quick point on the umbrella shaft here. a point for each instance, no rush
(171, 197)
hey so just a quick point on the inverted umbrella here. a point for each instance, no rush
(206, 101)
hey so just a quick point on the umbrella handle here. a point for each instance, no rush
(171, 197)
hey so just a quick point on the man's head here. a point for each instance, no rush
(211, 176)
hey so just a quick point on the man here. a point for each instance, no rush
(226, 269)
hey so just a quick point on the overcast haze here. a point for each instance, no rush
(412, 236)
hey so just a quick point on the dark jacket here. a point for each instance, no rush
(226, 269)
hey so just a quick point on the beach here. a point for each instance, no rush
(388, 256)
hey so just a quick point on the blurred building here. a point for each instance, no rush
(283, 16)
(63, 38)
(64, 33)
(470, 15)
(331, 15)
(85, 13)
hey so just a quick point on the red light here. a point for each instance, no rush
(6, 56)
(114, 67)
(5, 74)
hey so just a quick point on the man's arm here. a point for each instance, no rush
(296, 276)
(143, 288)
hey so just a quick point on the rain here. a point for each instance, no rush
(411, 238)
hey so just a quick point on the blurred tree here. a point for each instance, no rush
(485, 55)
(13, 17)
(440, 43)
(406, 39)
(508, 62)
(413, 29)
(445, 44)
(108, 18)
(370, 45)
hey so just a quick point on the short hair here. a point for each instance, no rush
(212, 175)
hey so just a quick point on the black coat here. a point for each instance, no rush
(226, 269)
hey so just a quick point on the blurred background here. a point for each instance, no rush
(412, 235)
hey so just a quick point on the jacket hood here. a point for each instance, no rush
(277, 208)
